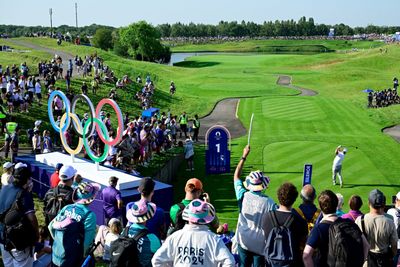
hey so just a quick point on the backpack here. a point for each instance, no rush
(398, 222)
(124, 251)
(18, 231)
(54, 204)
(345, 244)
(68, 244)
(279, 251)
(310, 223)
(180, 223)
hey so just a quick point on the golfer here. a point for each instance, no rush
(337, 165)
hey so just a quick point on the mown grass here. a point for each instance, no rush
(277, 46)
(288, 130)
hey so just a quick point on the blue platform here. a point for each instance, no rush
(41, 173)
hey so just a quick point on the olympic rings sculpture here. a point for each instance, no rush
(91, 125)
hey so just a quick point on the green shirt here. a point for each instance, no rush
(175, 209)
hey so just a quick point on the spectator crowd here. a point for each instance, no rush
(384, 98)
(270, 231)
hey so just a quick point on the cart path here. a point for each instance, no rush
(64, 55)
(286, 81)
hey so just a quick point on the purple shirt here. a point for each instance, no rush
(110, 195)
(352, 215)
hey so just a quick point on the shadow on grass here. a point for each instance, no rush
(196, 64)
(369, 185)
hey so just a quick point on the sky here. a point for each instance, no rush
(123, 12)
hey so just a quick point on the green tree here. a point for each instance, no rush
(103, 39)
(142, 41)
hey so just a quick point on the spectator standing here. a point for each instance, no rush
(70, 67)
(287, 194)
(112, 200)
(337, 165)
(395, 83)
(196, 128)
(10, 128)
(156, 224)
(47, 144)
(253, 209)
(63, 190)
(194, 244)
(79, 212)
(395, 212)
(319, 236)
(379, 230)
(38, 91)
(339, 211)
(193, 190)
(37, 142)
(189, 154)
(7, 177)
(55, 177)
(307, 210)
(355, 203)
(140, 212)
(14, 144)
(183, 121)
(19, 192)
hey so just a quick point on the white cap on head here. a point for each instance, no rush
(20, 165)
(398, 196)
(38, 122)
(67, 172)
(345, 150)
(7, 165)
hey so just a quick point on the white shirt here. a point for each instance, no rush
(194, 245)
(10, 87)
(6, 178)
(38, 88)
(396, 218)
(338, 159)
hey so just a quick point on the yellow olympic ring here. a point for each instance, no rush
(79, 147)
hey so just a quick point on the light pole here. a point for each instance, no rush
(51, 22)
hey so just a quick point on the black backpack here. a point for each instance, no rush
(18, 231)
(180, 222)
(56, 202)
(124, 251)
(345, 244)
(279, 251)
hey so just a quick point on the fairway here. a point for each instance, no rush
(288, 130)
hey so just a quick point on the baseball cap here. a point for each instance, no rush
(38, 122)
(198, 185)
(377, 199)
(7, 165)
(67, 172)
(345, 150)
(146, 185)
(20, 165)
(398, 196)
(58, 166)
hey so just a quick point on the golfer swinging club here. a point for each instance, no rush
(337, 164)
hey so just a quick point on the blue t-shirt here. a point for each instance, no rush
(319, 239)
(147, 245)
(157, 223)
(308, 210)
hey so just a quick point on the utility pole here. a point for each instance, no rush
(76, 15)
(51, 21)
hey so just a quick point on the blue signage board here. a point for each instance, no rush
(218, 156)
(307, 174)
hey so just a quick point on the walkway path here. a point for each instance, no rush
(393, 131)
(286, 80)
(224, 113)
(65, 56)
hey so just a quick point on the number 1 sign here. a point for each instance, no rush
(218, 156)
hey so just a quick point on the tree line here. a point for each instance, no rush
(302, 27)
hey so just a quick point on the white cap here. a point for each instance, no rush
(7, 165)
(67, 172)
(37, 123)
(398, 196)
(345, 150)
(20, 165)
